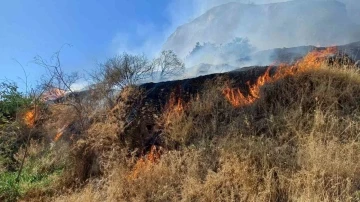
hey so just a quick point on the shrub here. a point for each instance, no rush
(125, 69)
(42, 169)
(11, 101)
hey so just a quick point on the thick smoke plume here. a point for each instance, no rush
(208, 27)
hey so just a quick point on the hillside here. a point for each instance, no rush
(267, 26)
(247, 102)
(260, 134)
(277, 133)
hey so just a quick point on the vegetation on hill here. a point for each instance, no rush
(235, 52)
(292, 137)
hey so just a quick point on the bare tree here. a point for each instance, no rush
(168, 64)
(123, 70)
(57, 78)
(34, 95)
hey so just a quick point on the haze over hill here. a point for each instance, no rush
(267, 26)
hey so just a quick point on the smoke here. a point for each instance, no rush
(183, 11)
(149, 40)
(291, 24)
(282, 32)
(353, 7)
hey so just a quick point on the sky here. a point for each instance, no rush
(95, 29)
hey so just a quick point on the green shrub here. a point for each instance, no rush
(42, 169)
(11, 101)
(30, 181)
(11, 136)
(9, 189)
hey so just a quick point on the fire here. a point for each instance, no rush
(238, 99)
(235, 97)
(313, 60)
(255, 89)
(175, 104)
(58, 136)
(174, 109)
(29, 118)
(145, 163)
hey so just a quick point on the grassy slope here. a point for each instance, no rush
(298, 141)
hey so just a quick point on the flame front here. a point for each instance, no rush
(313, 60)
(255, 89)
(235, 97)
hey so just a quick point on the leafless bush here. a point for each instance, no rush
(168, 64)
(123, 70)
(57, 78)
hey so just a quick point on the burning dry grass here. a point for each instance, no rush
(56, 123)
(297, 140)
(206, 116)
(312, 61)
(29, 118)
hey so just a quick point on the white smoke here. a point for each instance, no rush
(267, 26)
(183, 11)
(180, 12)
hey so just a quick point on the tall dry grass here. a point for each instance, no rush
(298, 142)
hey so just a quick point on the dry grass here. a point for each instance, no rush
(298, 142)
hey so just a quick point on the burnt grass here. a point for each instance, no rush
(158, 94)
(155, 96)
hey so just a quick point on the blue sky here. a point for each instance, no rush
(95, 29)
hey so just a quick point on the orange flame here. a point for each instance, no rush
(145, 163)
(313, 60)
(29, 118)
(255, 89)
(58, 136)
(235, 97)
(175, 104)
(174, 109)
(59, 133)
